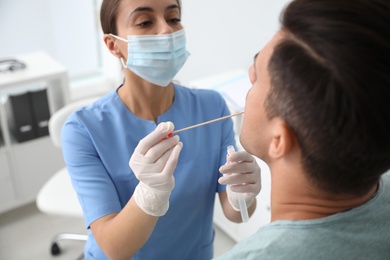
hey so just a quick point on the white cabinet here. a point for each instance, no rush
(6, 187)
(25, 166)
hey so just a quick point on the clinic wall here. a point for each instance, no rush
(65, 30)
(222, 35)
(225, 35)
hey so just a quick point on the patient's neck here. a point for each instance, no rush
(293, 197)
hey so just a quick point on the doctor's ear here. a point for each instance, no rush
(112, 45)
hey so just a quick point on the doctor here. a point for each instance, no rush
(161, 207)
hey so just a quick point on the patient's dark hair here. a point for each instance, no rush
(330, 81)
(108, 15)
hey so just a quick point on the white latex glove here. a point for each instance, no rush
(241, 174)
(153, 163)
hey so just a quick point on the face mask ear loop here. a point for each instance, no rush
(123, 63)
(120, 38)
(117, 37)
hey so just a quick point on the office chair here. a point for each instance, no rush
(57, 196)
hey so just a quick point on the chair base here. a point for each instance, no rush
(55, 248)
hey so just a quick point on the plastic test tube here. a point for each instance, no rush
(240, 196)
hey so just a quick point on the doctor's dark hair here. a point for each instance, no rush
(330, 82)
(108, 15)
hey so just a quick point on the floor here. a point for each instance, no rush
(26, 233)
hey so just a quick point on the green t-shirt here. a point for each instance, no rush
(359, 233)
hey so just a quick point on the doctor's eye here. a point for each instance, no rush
(174, 20)
(144, 24)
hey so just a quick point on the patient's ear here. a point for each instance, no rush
(112, 45)
(283, 139)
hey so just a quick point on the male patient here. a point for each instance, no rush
(318, 114)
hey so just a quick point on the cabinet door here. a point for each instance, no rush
(35, 161)
(6, 188)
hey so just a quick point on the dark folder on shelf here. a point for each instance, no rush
(40, 112)
(22, 128)
(30, 115)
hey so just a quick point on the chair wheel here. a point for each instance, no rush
(55, 249)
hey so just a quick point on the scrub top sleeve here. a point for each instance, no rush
(94, 187)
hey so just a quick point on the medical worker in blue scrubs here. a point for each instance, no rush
(146, 194)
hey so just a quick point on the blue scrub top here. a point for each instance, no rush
(98, 141)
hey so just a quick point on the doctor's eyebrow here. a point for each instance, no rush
(149, 9)
(173, 6)
(141, 9)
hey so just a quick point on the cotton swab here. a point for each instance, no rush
(207, 122)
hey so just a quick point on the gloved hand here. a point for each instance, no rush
(153, 163)
(248, 181)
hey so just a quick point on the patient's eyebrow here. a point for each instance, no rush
(255, 58)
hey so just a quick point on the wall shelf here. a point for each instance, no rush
(26, 166)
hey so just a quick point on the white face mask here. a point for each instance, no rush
(156, 58)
